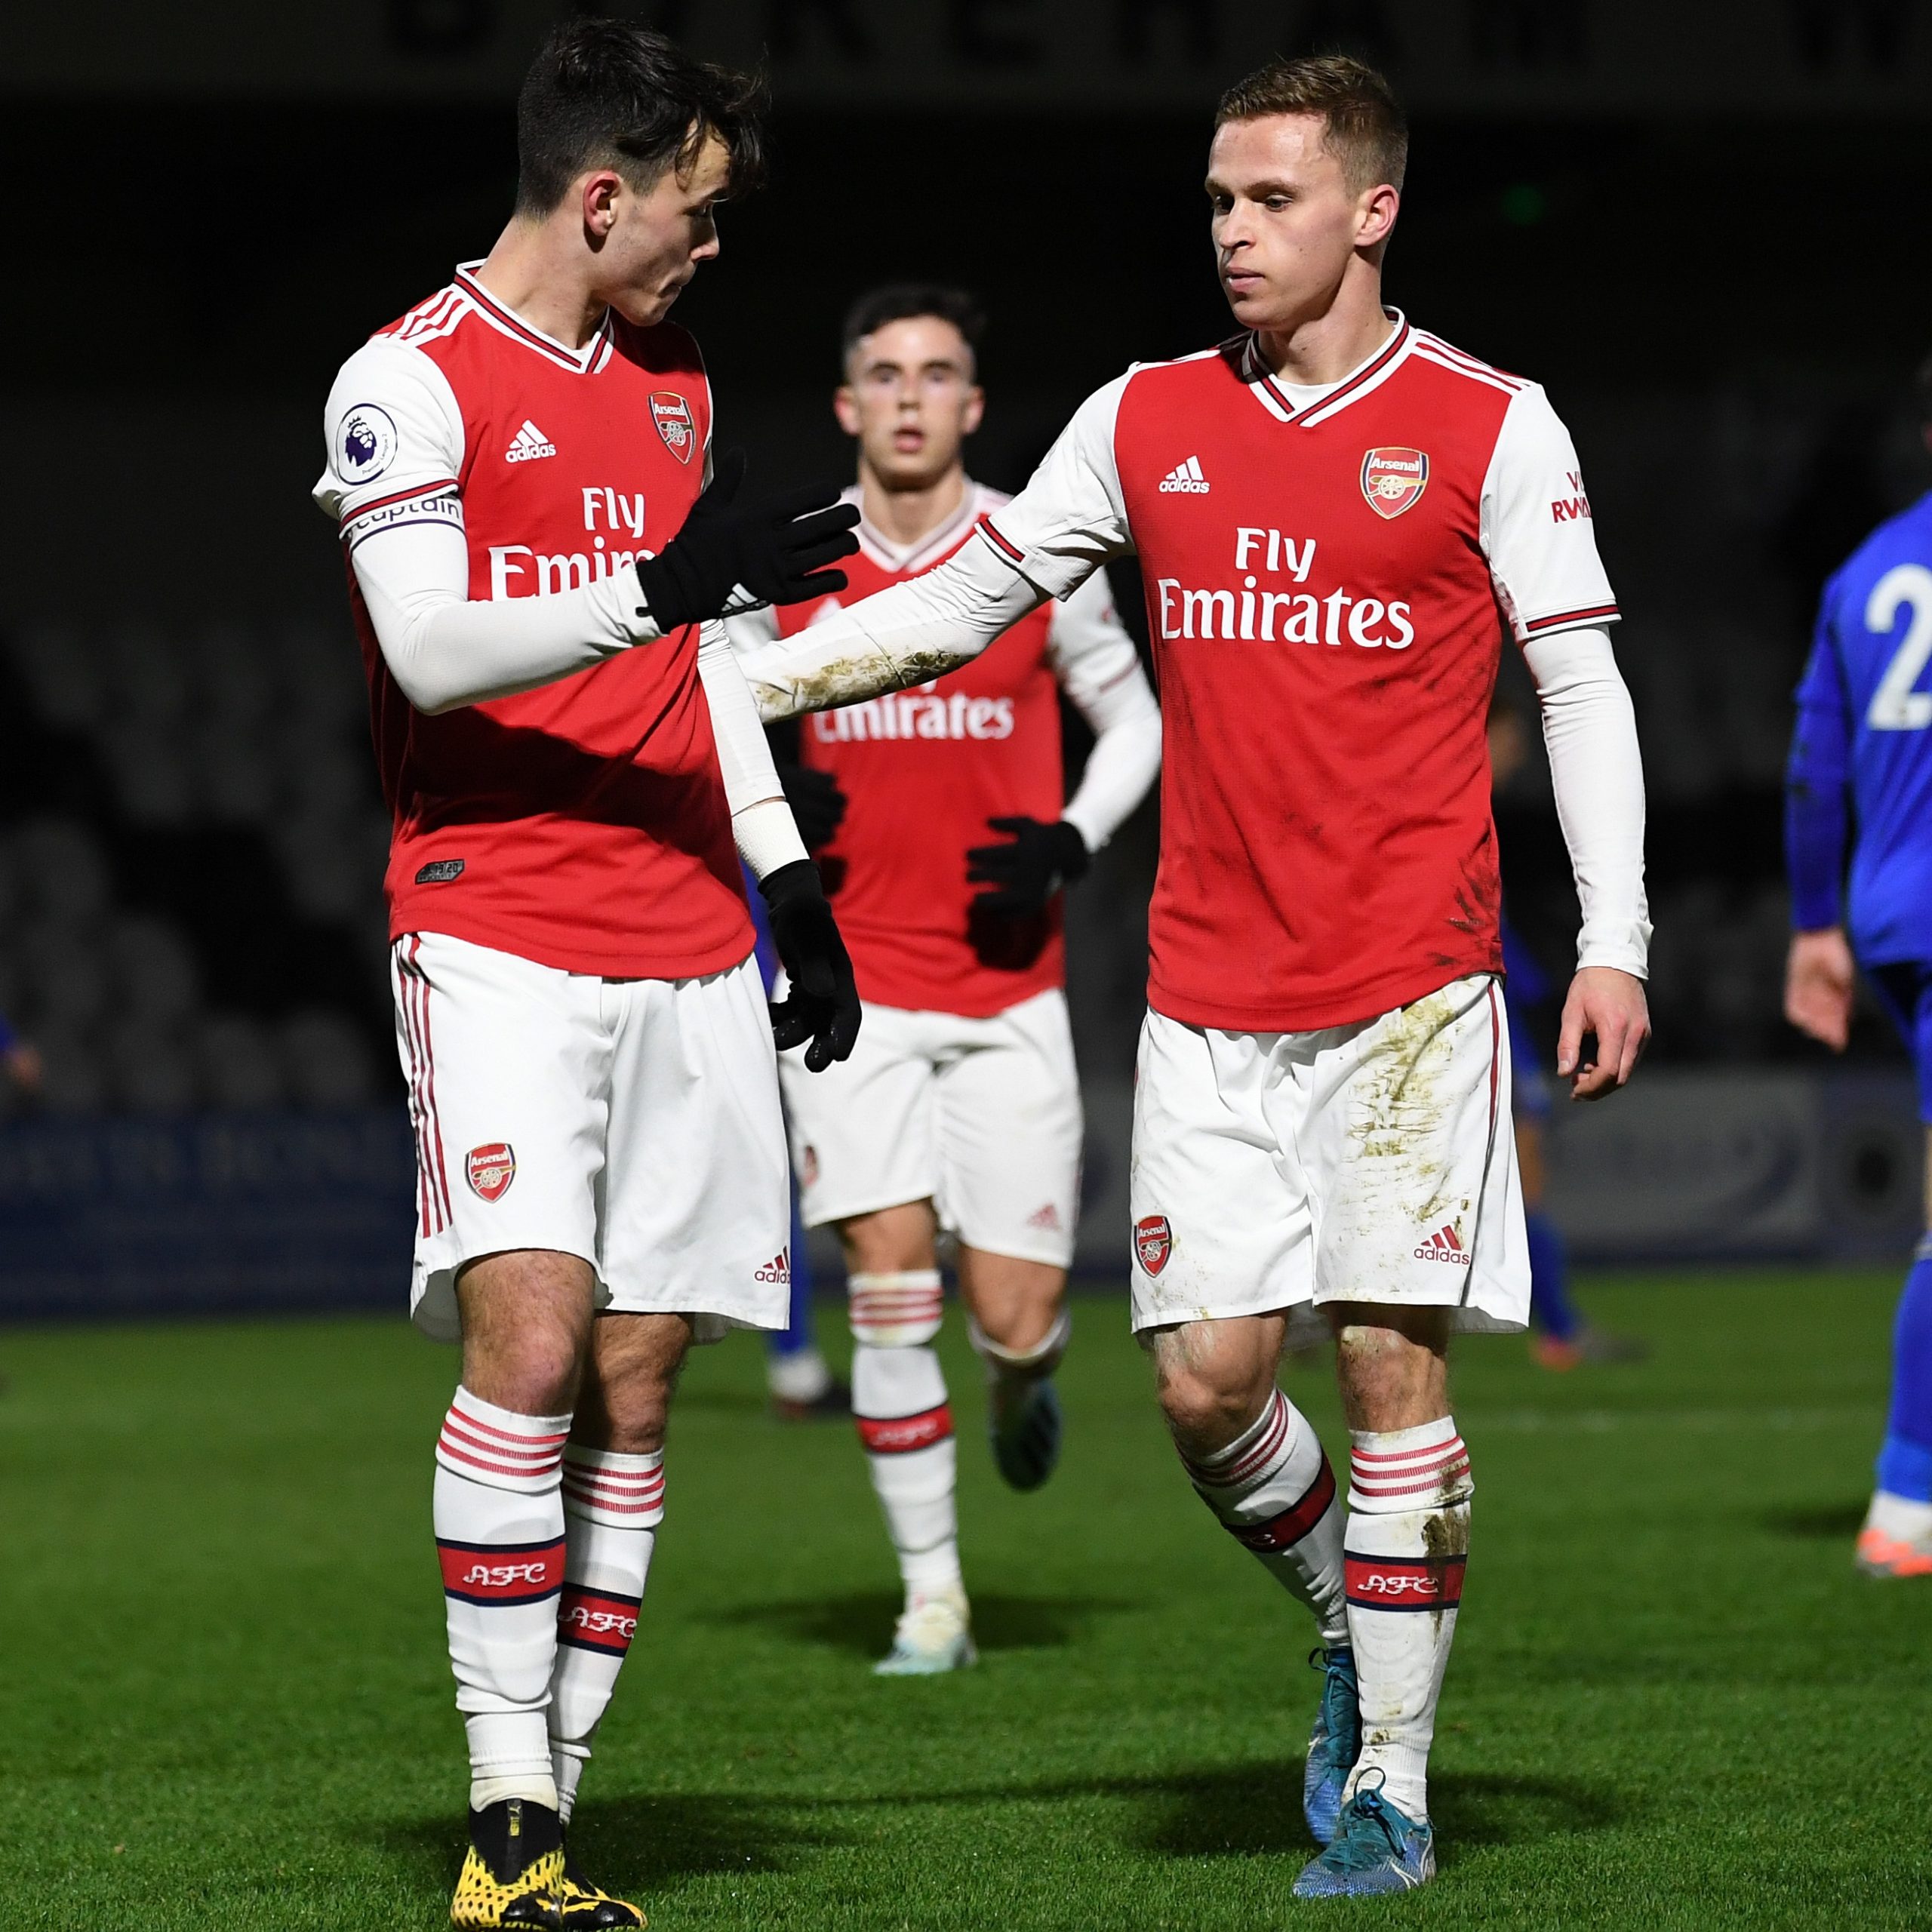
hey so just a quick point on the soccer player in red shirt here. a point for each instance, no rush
(1339, 516)
(960, 1107)
(536, 562)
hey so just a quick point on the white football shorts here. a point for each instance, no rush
(634, 1122)
(1371, 1163)
(981, 1117)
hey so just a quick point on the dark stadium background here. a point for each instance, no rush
(1715, 265)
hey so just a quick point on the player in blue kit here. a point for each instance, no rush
(1861, 763)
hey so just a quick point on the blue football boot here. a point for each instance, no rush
(1023, 1421)
(1376, 1849)
(1334, 1744)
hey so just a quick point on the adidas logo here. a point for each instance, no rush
(1443, 1246)
(530, 443)
(1185, 479)
(778, 1268)
(1048, 1216)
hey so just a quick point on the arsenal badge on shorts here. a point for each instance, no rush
(672, 415)
(1393, 480)
(1153, 1241)
(490, 1169)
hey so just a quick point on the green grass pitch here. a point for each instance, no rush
(1672, 1702)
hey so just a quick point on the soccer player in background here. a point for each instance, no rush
(1861, 773)
(960, 1108)
(19, 1059)
(518, 469)
(1337, 516)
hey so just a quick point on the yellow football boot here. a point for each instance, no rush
(588, 1908)
(514, 1873)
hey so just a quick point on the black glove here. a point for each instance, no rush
(818, 806)
(1026, 871)
(775, 548)
(822, 1005)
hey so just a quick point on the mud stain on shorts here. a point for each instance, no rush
(1399, 1104)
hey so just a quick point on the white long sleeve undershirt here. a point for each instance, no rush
(1596, 769)
(1124, 762)
(918, 629)
(1099, 670)
(931, 624)
(446, 649)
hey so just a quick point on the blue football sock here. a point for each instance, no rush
(1550, 1307)
(1904, 1463)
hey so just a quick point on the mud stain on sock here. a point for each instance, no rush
(1445, 1536)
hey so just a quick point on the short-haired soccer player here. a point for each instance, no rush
(960, 1107)
(1338, 517)
(1861, 766)
(518, 469)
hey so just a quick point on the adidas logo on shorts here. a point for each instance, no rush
(530, 443)
(778, 1268)
(1185, 479)
(1443, 1246)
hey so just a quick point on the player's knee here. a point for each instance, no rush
(536, 1373)
(1203, 1411)
(630, 1419)
(1392, 1375)
(1031, 1346)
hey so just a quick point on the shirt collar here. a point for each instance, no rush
(1369, 374)
(587, 361)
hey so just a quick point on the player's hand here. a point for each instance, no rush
(1818, 977)
(1606, 1025)
(818, 806)
(1032, 862)
(822, 1002)
(24, 1066)
(775, 550)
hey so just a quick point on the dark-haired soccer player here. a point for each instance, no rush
(960, 1107)
(574, 766)
(1861, 774)
(1339, 516)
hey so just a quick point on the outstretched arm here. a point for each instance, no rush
(914, 631)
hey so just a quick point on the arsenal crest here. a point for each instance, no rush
(1393, 480)
(672, 415)
(490, 1170)
(1153, 1241)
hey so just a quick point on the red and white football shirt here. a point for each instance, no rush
(1328, 579)
(924, 769)
(584, 825)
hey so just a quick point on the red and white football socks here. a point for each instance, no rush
(500, 1536)
(1274, 1493)
(898, 1403)
(1407, 1542)
(613, 1505)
